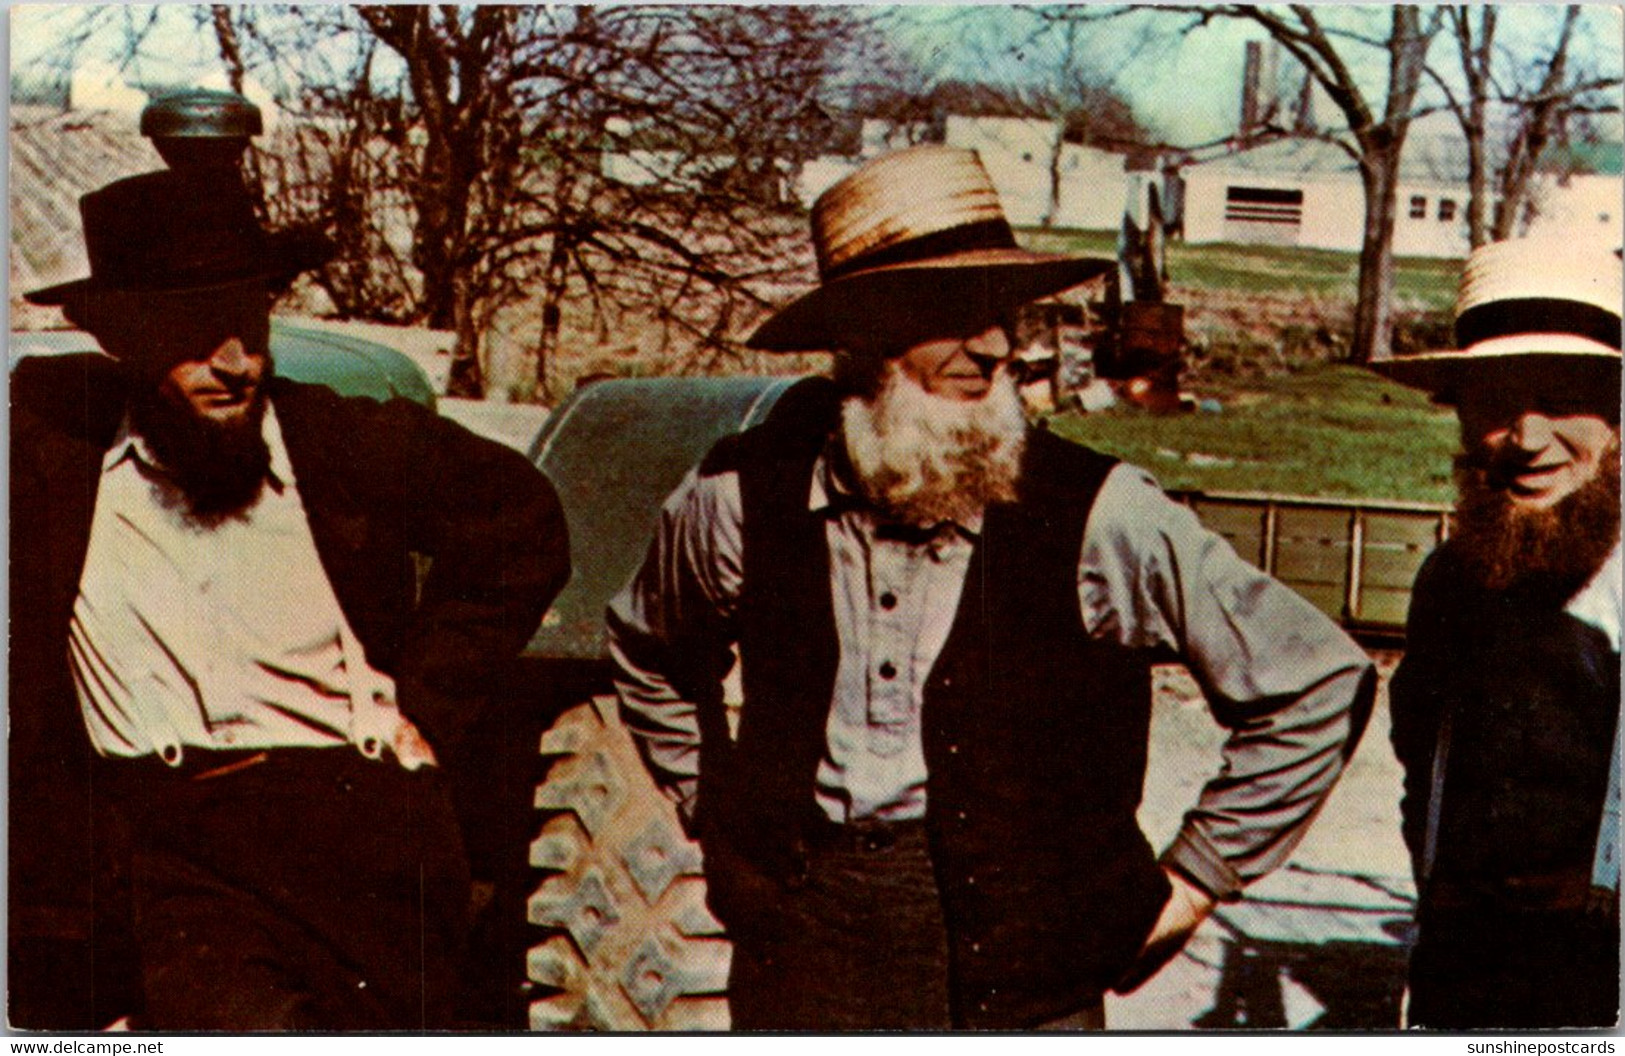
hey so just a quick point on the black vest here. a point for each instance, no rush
(1034, 734)
(1534, 695)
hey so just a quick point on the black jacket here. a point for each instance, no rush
(1532, 694)
(384, 485)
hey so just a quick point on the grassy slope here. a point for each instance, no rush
(1304, 428)
(1419, 282)
(1321, 430)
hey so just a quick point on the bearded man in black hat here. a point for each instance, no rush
(1506, 705)
(946, 622)
(220, 649)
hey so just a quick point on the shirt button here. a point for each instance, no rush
(888, 670)
(970, 881)
(960, 815)
(953, 749)
(976, 947)
(888, 600)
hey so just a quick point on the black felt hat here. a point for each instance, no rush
(166, 233)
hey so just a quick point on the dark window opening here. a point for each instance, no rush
(1263, 205)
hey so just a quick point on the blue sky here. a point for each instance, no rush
(1184, 82)
(1185, 86)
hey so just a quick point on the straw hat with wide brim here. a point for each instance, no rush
(1527, 304)
(913, 240)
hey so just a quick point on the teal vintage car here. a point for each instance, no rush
(348, 365)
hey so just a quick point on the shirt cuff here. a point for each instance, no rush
(686, 795)
(1198, 861)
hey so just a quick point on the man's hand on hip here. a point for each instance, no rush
(1186, 908)
(410, 747)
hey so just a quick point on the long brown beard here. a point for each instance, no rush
(923, 459)
(1556, 549)
(212, 471)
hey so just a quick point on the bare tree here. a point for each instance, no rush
(632, 158)
(1375, 131)
(1475, 46)
(1538, 101)
(1545, 100)
(1375, 139)
(1072, 90)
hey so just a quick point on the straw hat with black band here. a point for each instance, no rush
(166, 241)
(1528, 305)
(914, 244)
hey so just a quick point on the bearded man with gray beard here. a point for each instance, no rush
(1505, 707)
(945, 623)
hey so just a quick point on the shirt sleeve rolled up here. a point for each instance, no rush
(682, 598)
(1293, 690)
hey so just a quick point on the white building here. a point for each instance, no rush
(1591, 203)
(254, 92)
(1017, 154)
(99, 86)
(878, 135)
(674, 168)
(1307, 192)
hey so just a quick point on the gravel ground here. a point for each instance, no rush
(1320, 943)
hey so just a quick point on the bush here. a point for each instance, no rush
(1422, 331)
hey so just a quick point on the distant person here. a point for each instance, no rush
(1506, 704)
(946, 622)
(221, 648)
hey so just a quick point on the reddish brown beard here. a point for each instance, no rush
(213, 471)
(1558, 549)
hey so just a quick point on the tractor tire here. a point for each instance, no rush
(628, 943)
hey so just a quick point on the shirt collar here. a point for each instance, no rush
(128, 444)
(1598, 603)
(830, 493)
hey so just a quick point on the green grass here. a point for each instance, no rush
(1321, 430)
(1419, 282)
(1290, 424)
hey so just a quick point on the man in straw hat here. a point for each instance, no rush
(217, 631)
(1505, 706)
(946, 622)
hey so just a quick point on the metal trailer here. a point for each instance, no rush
(620, 938)
(1355, 559)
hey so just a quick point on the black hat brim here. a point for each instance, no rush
(290, 253)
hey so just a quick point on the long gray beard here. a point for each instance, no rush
(923, 459)
(1556, 549)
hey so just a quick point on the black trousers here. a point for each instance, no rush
(860, 946)
(1492, 968)
(295, 889)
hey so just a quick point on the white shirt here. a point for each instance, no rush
(1598, 602)
(222, 637)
